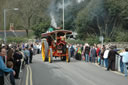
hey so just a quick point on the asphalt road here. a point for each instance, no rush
(73, 73)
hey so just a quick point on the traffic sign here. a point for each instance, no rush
(101, 38)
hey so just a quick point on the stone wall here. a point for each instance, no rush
(119, 44)
(18, 33)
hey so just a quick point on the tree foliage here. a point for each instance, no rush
(40, 28)
(90, 18)
(30, 12)
(102, 18)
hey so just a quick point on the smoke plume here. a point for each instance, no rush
(72, 8)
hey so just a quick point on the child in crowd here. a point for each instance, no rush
(12, 79)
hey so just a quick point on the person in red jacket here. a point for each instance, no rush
(98, 51)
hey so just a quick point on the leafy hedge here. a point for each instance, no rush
(40, 28)
(93, 39)
(90, 40)
(16, 39)
(75, 41)
(122, 37)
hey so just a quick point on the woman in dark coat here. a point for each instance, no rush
(111, 59)
(17, 62)
(31, 55)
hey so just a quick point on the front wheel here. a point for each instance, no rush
(50, 55)
(44, 51)
(68, 55)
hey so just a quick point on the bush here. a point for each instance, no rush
(40, 28)
(107, 40)
(92, 39)
(122, 37)
(75, 41)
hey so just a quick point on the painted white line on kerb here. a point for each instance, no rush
(110, 71)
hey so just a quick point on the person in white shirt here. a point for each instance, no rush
(105, 56)
(40, 47)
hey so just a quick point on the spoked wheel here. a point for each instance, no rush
(44, 51)
(68, 55)
(50, 55)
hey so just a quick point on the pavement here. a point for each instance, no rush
(73, 73)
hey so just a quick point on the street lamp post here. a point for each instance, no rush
(5, 26)
(5, 10)
(63, 14)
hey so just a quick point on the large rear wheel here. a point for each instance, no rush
(44, 50)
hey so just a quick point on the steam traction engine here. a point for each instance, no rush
(54, 45)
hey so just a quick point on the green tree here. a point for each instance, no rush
(88, 19)
(40, 28)
(30, 11)
(119, 9)
(102, 18)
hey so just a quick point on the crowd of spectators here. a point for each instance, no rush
(103, 55)
(13, 58)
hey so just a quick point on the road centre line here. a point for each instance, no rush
(27, 76)
(31, 83)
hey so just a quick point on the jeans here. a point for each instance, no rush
(86, 57)
(93, 59)
(106, 62)
(99, 59)
(90, 58)
(102, 62)
(121, 67)
(72, 53)
(125, 69)
(26, 60)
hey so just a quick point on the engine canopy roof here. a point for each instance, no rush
(56, 32)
